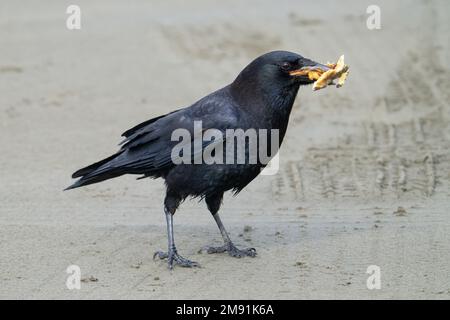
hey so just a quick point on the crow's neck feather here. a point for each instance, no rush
(272, 100)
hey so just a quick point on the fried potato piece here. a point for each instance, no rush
(338, 70)
(342, 78)
(314, 74)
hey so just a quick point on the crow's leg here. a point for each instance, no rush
(228, 244)
(172, 255)
(213, 204)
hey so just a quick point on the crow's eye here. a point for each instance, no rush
(286, 66)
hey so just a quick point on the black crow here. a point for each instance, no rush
(261, 97)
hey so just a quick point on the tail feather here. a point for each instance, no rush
(90, 179)
(96, 172)
(89, 169)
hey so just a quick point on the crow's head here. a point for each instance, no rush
(280, 69)
(274, 77)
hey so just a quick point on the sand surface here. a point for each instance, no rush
(351, 158)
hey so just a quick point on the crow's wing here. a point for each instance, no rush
(136, 128)
(148, 149)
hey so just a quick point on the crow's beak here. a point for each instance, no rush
(310, 72)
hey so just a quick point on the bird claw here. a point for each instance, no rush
(174, 258)
(232, 250)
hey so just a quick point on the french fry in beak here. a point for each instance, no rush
(339, 71)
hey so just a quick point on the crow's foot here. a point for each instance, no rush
(232, 250)
(174, 258)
